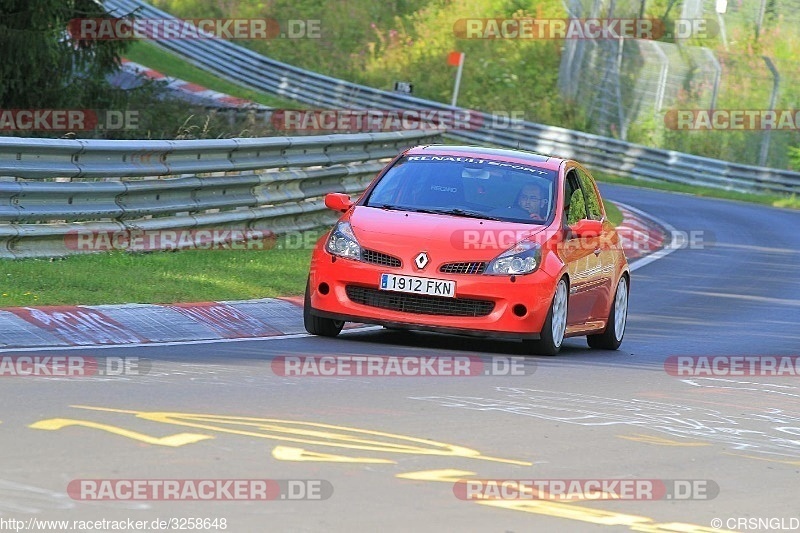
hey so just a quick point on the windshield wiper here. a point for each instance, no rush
(457, 212)
(385, 206)
(472, 214)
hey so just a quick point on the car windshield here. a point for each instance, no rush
(467, 186)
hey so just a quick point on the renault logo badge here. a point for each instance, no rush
(421, 260)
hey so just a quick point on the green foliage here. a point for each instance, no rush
(378, 43)
(794, 157)
(577, 208)
(41, 65)
(146, 53)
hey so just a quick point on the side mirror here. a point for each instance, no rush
(338, 201)
(587, 228)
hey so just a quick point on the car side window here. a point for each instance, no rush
(593, 207)
(575, 206)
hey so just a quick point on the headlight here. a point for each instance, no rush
(342, 242)
(523, 258)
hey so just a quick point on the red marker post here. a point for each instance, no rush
(456, 59)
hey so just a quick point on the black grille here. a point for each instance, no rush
(419, 303)
(473, 267)
(380, 258)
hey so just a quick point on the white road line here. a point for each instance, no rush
(176, 343)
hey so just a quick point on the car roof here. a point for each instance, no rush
(499, 154)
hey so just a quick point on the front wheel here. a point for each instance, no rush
(555, 324)
(326, 327)
(611, 338)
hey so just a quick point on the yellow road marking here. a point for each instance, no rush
(596, 516)
(360, 439)
(447, 475)
(311, 433)
(287, 453)
(569, 512)
(770, 459)
(179, 439)
(566, 510)
(651, 439)
(454, 476)
(677, 527)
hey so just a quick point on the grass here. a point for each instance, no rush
(613, 213)
(163, 277)
(166, 62)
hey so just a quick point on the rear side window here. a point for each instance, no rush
(591, 199)
(574, 204)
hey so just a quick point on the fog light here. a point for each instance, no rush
(324, 288)
(519, 310)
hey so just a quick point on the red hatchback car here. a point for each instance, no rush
(474, 241)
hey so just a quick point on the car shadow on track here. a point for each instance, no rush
(575, 352)
(439, 341)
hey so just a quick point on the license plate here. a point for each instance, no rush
(415, 285)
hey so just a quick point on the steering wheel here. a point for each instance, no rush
(517, 212)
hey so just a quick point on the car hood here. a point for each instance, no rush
(446, 238)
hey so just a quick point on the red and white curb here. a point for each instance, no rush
(644, 237)
(193, 90)
(97, 325)
(639, 236)
(67, 327)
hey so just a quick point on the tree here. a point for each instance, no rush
(42, 65)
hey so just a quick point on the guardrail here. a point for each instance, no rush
(248, 68)
(53, 190)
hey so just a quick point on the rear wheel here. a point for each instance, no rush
(555, 324)
(326, 327)
(611, 338)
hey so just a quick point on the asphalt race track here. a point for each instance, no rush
(392, 447)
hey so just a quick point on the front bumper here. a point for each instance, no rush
(519, 310)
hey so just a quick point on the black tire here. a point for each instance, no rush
(611, 338)
(325, 327)
(550, 342)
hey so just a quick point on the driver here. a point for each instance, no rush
(533, 199)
